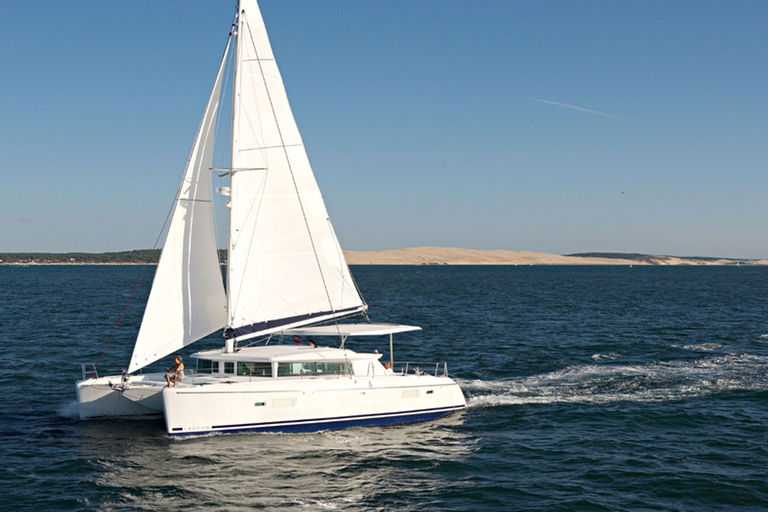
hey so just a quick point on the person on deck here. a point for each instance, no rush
(296, 340)
(175, 373)
(311, 343)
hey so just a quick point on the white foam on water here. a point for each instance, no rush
(191, 437)
(646, 382)
(334, 504)
(706, 347)
(69, 410)
(600, 357)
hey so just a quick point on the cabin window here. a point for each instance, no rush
(229, 367)
(255, 369)
(313, 369)
(207, 366)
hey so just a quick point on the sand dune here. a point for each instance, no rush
(458, 256)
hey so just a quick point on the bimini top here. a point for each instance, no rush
(345, 330)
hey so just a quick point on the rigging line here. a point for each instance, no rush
(136, 286)
(290, 169)
(261, 190)
(219, 120)
(343, 265)
(231, 170)
(227, 63)
(224, 86)
(157, 241)
(273, 147)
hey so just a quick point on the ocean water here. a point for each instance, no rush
(589, 388)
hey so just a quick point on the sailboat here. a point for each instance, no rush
(286, 277)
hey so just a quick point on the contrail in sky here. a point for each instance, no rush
(574, 107)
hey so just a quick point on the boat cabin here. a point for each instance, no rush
(288, 360)
(282, 361)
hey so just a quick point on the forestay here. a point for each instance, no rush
(286, 267)
(187, 301)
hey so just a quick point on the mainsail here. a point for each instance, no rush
(187, 301)
(286, 267)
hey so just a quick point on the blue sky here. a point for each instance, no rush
(550, 126)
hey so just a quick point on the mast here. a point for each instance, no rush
(229, 343)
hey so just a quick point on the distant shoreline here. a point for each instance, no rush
(405, 256)
(71, 264)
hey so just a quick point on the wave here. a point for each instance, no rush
(647, 382)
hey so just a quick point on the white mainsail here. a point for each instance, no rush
(286, 267)
(187, 301)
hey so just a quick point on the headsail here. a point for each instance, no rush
(187, 301)
(286, 267)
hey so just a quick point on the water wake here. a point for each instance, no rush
(648, 382)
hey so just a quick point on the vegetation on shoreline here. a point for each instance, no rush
(137, 257)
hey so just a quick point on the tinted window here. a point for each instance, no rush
(312, 369)
(207, 366)
(255, 369)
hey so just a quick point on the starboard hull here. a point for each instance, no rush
(307, 405)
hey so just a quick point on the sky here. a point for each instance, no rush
(551, 126)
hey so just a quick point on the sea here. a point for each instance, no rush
(589, 388)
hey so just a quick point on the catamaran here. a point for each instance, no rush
(285, 276)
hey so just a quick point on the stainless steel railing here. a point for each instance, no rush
(83, 367)
(438, 369)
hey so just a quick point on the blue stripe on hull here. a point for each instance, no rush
(354, 421)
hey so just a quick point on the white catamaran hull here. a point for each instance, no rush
(302, 405)
(109, 397)
(286, 277)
